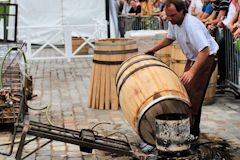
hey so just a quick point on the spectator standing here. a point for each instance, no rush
(196, 7)
(232, 11)
(155, 8)
(135, 8)
(212, 15)
(120, 4)
(126, 7)
(207, 10)
(234, 22)
(220, 9)
(144, 8)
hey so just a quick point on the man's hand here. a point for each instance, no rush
(220, 24)
(186, 77)
(233, 27)
(236, 34)
(149, 52)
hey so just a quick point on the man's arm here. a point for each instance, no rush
(200, 61)
(221, 14)
(233, 22)
(163, 43)
(210, 18)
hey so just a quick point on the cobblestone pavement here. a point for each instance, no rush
(64, 86)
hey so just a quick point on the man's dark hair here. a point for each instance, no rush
(179, 4)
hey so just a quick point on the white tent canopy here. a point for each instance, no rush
(41, 19)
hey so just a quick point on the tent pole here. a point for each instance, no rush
(107, 17)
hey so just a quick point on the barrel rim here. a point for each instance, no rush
(171, 117)
(127, 42)
(111, 52)
(150, 105)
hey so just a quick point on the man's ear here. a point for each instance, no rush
(182, 11)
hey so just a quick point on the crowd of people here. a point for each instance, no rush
(141, 7)
(213, 13)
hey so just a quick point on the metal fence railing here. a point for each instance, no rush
(128, 23)
(232, 59)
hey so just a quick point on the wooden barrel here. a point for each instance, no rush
(108, 55)
(163, 54)
(211, 90)
(178, 59)
(146, 88)
(77, 42)
(178, 62)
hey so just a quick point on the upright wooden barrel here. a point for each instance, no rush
(108, 55)
(146, 88)
(211, 90)
(76, 42)
(178, 62)
(163, 54)
(178, 59)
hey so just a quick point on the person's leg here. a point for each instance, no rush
(196, 90)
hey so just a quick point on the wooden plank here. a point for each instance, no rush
(107, 87)
(98, 83)
(114, 98)
(93, 99)
(90, 90)
(102, 87)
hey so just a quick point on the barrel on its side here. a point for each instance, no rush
(146, 88)
(108, 55)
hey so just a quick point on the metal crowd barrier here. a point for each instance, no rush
(128, 23)
(232, 57)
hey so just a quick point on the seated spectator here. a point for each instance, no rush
(207, 10)
(196, 7)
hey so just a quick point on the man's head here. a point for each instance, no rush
(133, 4)
(175, 11)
